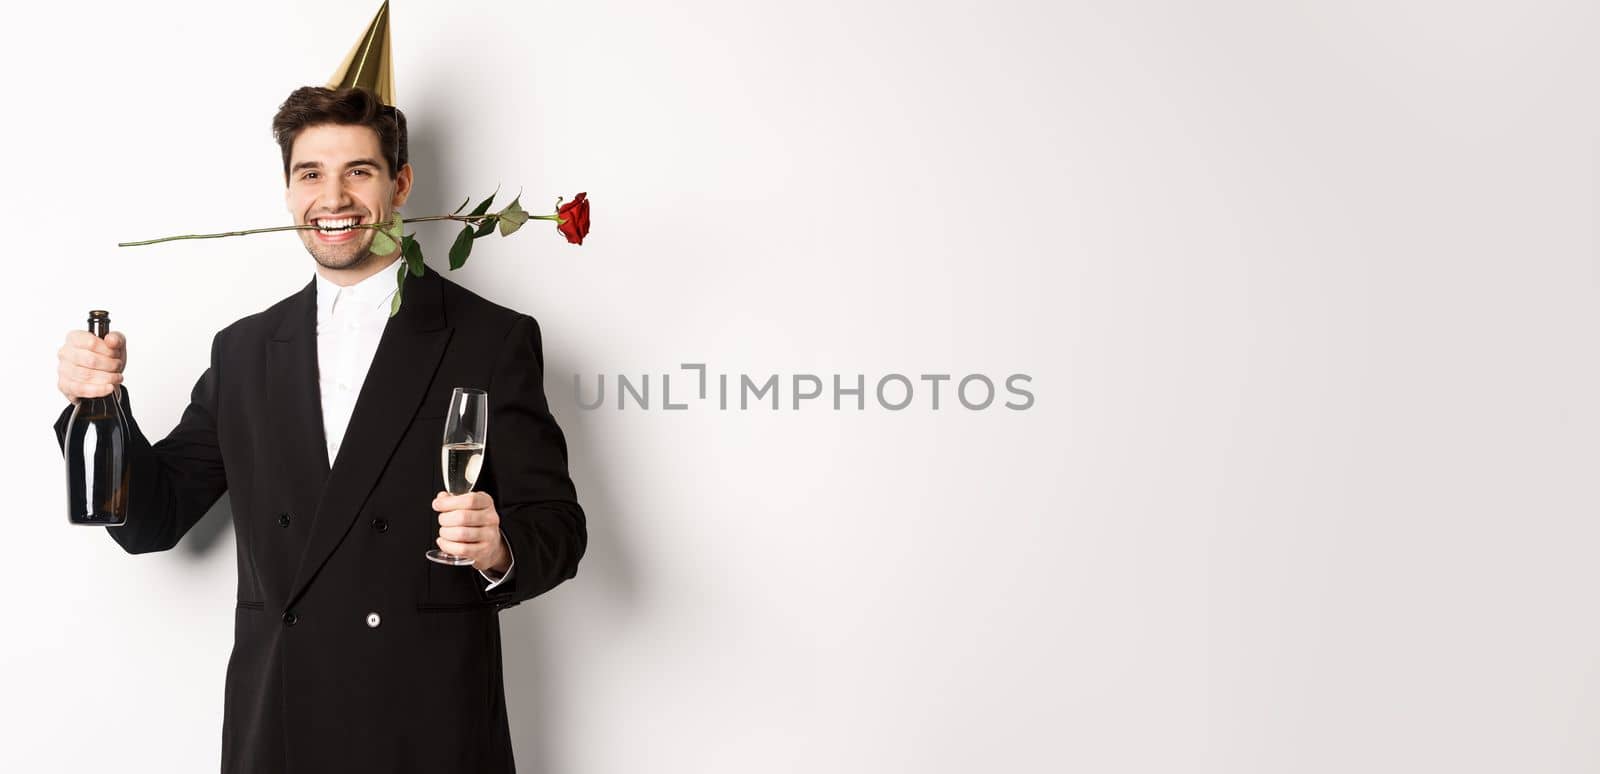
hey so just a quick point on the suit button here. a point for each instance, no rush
(372, 620)
(289, 617)
(283, 519)
(381, 525)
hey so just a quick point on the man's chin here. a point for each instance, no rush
(341, 259)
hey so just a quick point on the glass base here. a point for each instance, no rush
(441, 557)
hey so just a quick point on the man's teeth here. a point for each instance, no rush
(341, 224)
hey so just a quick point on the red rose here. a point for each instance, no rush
(575, 219)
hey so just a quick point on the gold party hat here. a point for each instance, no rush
(369, 64)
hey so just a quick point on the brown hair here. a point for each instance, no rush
(314, 105)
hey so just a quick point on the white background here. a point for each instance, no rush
(1308, 292)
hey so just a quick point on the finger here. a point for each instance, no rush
(473, 550)
(83, 390)
(91, 359)
(445, 501)
(470, 517)
(87, 340)
(116, 340)
(87, 359)
(465, 534)
(88, 390)
(70, 375)
(91, 376)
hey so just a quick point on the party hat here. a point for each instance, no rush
(369, 64)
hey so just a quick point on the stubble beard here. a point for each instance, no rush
(343, 256)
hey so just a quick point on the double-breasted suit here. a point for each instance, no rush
(352, 652)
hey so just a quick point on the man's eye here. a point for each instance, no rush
(308, 176)
(362, 171)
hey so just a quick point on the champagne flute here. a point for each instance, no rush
(466, 430)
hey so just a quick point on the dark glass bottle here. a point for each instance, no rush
(96, 453)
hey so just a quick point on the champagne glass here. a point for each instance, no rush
(466, 430)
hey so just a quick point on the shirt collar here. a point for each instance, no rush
(365, 297)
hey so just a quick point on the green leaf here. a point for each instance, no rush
(382, 243)
(463, 205)
(487, 224)
(383, 237)
(512, 217)
(483, 206)
(412, 250)
(399, 285)
(461, 249)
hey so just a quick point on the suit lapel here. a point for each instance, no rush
(408, 354)
(294, 410)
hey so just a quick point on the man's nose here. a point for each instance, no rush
(334, 195)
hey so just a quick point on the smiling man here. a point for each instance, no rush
(338, 173)
(323, 416)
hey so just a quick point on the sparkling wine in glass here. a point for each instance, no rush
(466, 430)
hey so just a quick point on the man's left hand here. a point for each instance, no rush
(469, 526)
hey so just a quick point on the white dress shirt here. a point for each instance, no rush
(350, 322)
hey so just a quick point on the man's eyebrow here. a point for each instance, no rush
(318, 165)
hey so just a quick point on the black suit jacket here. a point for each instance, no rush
(312, 685)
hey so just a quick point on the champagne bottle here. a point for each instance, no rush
(96, 452)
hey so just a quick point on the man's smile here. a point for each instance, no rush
(335, 237)
(335, 230)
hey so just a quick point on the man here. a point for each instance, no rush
(323, 416)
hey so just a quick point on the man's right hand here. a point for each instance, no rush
(91, 367)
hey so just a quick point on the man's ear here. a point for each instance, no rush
(402, 185)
